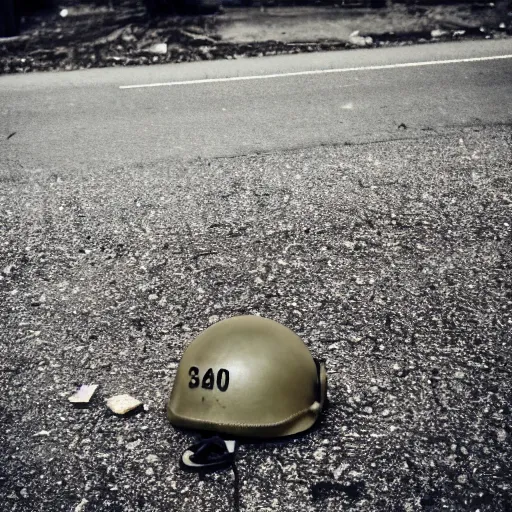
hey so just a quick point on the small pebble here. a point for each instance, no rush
(133, 444)
(339, 470)
(462, 479)
(319, 454)
(8, 269)
(81, 505)
(502, 434)
(213, 319)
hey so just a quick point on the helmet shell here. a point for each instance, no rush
(247, 376)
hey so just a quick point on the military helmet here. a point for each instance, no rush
(247, 376)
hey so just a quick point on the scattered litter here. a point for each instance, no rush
(502, 25)
(42, 433)
(158, 48)
(63, 13)
(457, 33)
(123, 404)
(459, 375)
(358, 40)
(84, 394)
(437, 32)
(24, 493)
(150, 472)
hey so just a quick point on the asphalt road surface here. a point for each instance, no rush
(79, 119)
(376, 224)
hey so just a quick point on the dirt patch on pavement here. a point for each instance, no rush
(90, 36)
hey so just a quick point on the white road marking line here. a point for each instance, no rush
(318, 72)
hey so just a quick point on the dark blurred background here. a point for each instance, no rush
(46, 35)
(12, 11)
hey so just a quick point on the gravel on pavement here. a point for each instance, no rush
(391, 260)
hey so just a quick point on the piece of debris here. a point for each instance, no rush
(358, 40)
(63, 13)
(462, 479)
(158, 49)
(437, 32)
(8, 269)
(339, 470)
(84, 394)
(42, 433)
(402, 126)
(81, 505)
(319, 454)
(123, 404)
(11, 135)
(133, 444)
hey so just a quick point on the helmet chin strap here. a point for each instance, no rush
(209, 454)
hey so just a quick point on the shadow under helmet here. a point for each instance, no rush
(247, 376)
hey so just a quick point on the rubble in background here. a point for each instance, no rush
(94, 36)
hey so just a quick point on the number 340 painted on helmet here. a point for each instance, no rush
(208, 381)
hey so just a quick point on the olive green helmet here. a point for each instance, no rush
(247, 376)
